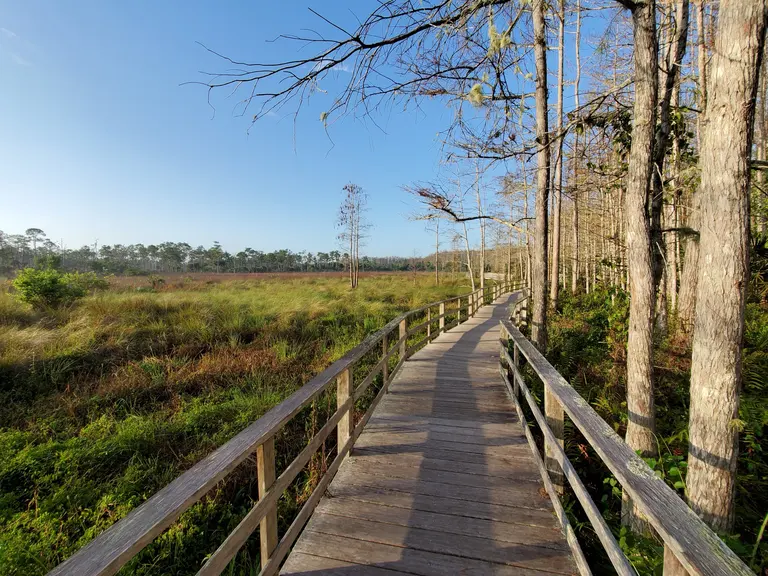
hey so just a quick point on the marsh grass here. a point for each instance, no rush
(105, 402)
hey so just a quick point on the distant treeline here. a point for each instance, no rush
(33, 248)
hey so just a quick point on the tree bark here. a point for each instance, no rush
(482, 227)
(539, 291)
(575, 187)
(558, 180)
(686, 304)
(724, 249)
(437, 251)
(669, 77)
(640, 401)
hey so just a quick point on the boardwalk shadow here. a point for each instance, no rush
(442, 480)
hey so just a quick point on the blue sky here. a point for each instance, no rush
(99, 139)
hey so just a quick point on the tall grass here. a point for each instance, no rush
(105, 402)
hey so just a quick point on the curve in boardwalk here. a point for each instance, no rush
(442, 480)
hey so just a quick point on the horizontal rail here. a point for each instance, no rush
(570, 535)
(612, 548)
(694, 544)
(109, 551)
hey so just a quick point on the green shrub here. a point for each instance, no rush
(50, 288)
(86, 282)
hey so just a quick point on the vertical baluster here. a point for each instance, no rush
(441, 322)
(384, 350)
(265, 471)
(516, 360)
(404, 343)
(343, 391)
(429, 324)
(555, 415)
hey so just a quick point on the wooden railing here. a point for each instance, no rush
(685, 535)
(111, 550)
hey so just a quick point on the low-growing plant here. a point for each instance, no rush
(49, 288)
(123, 392)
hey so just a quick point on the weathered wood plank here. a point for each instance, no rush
(495, 467)
(446, 435)
(449, 455)
(504, 512)
(423, 444)
(521, 472)
(116, 545)
(265, 460)
(411, 560)
(464, 546)
(445, 427)
(522, 495)
(301, 563)
(467, 426)
(612, 548)
(697, 548)
(548, 537)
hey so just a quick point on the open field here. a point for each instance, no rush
(194, 279)
(105, 402)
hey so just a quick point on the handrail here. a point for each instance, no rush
(694, 544)
(109, 551)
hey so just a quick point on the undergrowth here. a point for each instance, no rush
(104, 402)
(588, 336)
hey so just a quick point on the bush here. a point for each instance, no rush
(50, 288)
(86, 282)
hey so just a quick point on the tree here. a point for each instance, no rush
(687, 301)
(575, 217)
(557, 187)
(35, 235)
(640, 400)
(352, 223)
(669, 80)
(726, 147)
(539, 291)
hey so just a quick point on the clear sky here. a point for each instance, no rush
(99, 140)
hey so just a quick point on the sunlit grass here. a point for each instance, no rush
(105, 402)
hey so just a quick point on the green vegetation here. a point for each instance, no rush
(588, 347)
(48, 288)
(104, 402)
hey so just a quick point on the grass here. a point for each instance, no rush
(105, 402)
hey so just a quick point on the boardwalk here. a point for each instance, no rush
(442, 480)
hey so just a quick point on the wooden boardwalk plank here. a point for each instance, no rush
(441, 481)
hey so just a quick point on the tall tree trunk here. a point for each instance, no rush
(640, 401)
(558, 180)
(539, 291)
(575, 187)
(466, 240)
(482, 227)
(437, 251)
(726, 147)
(686, 304)
(671, 217)
(669, 77)
(724, 246)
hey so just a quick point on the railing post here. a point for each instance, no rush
(516, 360)
(384, 350)
(555, 415)
(343, 391)
(404, 343)
(441, 322)
(429, 324)
(265, 470)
